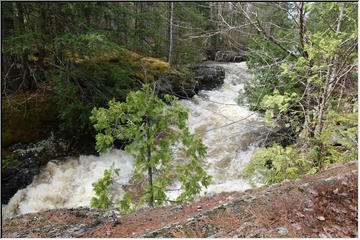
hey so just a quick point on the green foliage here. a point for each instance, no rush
(337, 143)
(76, 50)
(19, 44)
(11, 159)
(283, 107)
(339, 137)
(101, 189)
(320, 49)
(125, 203)
(190, 16)
(267, 73)
(306, 91)
(265, 57)
(153, 128)
(76, 92)
(274, 164)
(315, 69)
(328, 12)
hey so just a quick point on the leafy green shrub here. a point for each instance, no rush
(282, 107)
(304, 91)
(101, 189)
(275, 164)
(125, 203)
(19, 43)
(336, 144)
(339, 138)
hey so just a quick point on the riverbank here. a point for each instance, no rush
(322, 205)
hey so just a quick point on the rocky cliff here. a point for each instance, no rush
(322, 205)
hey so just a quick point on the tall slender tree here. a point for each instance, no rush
(171, 32)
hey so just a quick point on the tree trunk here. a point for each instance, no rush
(211, 11)
(151, 200)
(302, 28)
(319, 125)
(257, 25)
(218, 15)
(26, 82)
(331, 75)
(59, 29)
(231, 13)
(139, 25)
(171, 32)
(43, 18)
(213, 41)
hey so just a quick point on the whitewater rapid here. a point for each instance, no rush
(231, 133)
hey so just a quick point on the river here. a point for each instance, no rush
(231, 133)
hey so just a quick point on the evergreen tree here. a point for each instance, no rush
(153, 128)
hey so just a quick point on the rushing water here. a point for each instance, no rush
(230, 131)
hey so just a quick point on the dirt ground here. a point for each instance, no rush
(322, 205)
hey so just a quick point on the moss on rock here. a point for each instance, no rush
(10, 159)
(146, 69)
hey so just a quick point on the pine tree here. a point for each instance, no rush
(153, 128)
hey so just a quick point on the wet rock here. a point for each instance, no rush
(230, 56)
(249, 138)
(206, 77)
(283, 136)
(209, 77)
(175, 85)
(30, 158)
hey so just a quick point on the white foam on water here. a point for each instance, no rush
(214, 115)
(68, 184)
(221, 122)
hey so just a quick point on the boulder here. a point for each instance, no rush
(176, 85)
(209, 77)
(206, 77)
(283, 136)
(22, 162)
(230, 56)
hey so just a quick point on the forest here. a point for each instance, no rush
(158, 103)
